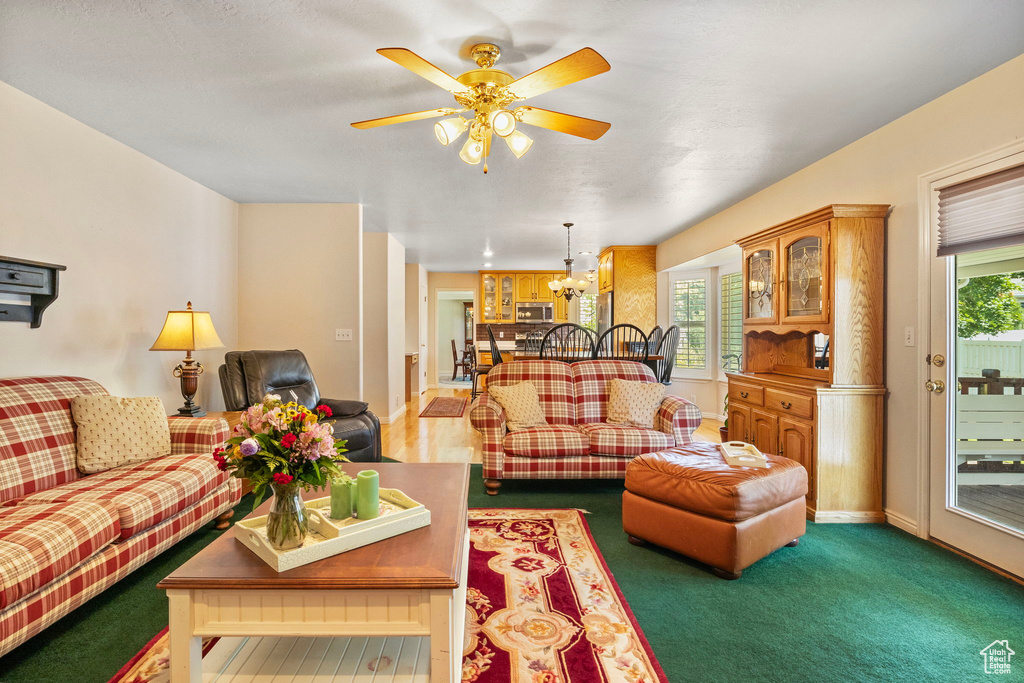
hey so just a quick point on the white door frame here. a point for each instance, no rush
(434, 324)
(1011, 154)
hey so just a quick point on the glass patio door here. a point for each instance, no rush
(975, 376)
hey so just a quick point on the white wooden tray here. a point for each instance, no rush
(398, 514)
(740, 454)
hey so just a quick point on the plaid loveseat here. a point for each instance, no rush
(576, 442)
(66, 537)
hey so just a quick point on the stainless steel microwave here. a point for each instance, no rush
(535, 312)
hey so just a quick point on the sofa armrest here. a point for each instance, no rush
(343, 408)
(196, 434)
(678, 417)
(488, 418)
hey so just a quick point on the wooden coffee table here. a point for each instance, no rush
(409, 585)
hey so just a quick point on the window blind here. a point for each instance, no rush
(982, 213)
(689, 313)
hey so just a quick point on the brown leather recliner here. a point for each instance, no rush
(247, 376)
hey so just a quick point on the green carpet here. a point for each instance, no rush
(850, 603)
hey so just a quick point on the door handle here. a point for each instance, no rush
(935, 385)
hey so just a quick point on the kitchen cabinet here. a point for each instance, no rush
(561, 312)
(630, 273)
(534, 287)
(811, 386)
(497, 297)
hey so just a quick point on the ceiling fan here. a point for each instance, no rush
(487, 92)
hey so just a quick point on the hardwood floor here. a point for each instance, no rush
(453, 439)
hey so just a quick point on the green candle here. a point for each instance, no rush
(368, 495)
(343, 498)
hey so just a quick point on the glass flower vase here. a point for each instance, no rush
(287, 522)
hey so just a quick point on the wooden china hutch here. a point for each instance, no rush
(812, 388)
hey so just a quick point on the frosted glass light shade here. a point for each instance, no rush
(555, 285)
(503, 123)
(519, 143)
(472, 152)
(449, 130)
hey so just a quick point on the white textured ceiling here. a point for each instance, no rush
(709, 102)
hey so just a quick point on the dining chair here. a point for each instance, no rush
(568, 343)
(667, 349)
(623, 342)
(475, 370)
(654, 339)
(457, 362)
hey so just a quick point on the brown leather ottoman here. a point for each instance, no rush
(688, 499)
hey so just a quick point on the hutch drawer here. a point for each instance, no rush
(786, 403)
(748, 393)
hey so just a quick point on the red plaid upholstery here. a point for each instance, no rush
(145, 493)
(552, 379)
(37, 436)
(624, 441)
(38, 543)
(674, 422)
(591, 378)
(196, 434)
(549, 441)
(587, 467)
(26, 618)
(678, 417)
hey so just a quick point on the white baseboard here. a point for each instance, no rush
(392, 417)
(901, 522)
(712, 416)
(846, 517)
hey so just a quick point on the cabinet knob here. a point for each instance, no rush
(14, 276)
(786, 405)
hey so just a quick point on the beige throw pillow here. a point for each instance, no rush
(116, 431)
(521, 405)
(634, 403)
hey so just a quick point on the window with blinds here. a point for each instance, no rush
(689, 313)
(732, 321)
(982, 213)
(588, 311)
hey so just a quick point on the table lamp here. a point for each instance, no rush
(188, 331)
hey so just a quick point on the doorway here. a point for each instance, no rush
(975, 380)
(455, 332)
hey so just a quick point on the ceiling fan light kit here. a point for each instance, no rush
(487, 92)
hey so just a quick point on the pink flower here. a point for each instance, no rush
(288, 440)
(282, 478)
(325, 410)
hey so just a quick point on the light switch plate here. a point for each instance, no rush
(342, 335)
(908, 336)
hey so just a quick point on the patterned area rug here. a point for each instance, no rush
(542, 607)
(445, 406)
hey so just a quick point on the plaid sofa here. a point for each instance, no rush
(66, 537)
(576, 442)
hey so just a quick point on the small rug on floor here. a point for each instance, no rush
(445, 406)
(541, 607)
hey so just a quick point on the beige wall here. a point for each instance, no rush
(138, 239)
(383, 296)
(294, 293)
(883, 167)
(441, 282)
(416, 322)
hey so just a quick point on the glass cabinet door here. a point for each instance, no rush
(805, 255)
(507, 305)
(760, 272)
(490, 298)
(803, 273)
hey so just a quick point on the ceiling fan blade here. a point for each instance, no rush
(563, 123)
(402, 118)
(421, 67)
(575, 67)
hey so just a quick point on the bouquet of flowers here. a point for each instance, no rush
(282, 445)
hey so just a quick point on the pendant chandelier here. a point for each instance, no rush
(569, 287)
